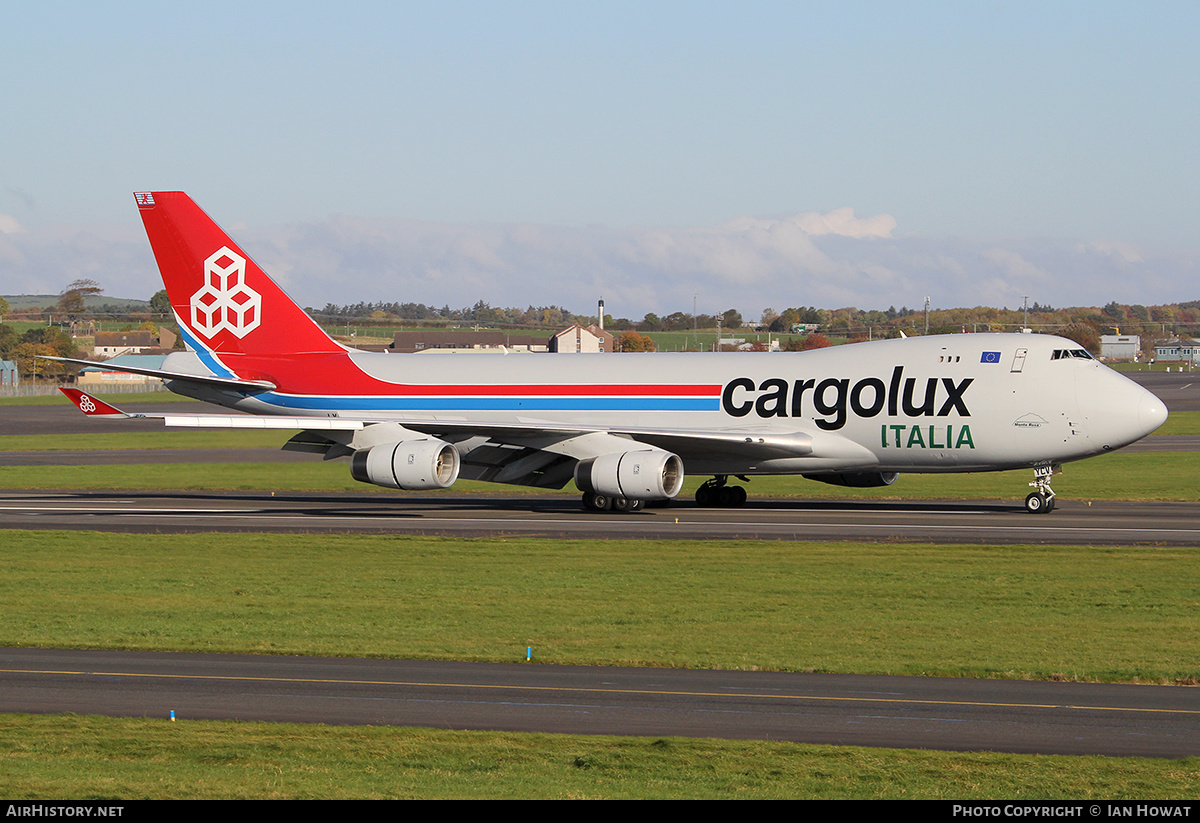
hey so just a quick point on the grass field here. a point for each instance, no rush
(93, 757)
(1087, 613)
(1032, 612)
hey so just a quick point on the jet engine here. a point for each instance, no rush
(648, 474)
(859, 480)
(412, 465)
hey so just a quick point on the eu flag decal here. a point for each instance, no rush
(990, 357)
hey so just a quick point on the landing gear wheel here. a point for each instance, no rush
(597, 502)
(1041, 501)
(603, 503)
(715, 493)
(731, 496)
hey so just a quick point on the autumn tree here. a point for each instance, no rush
(160, 303)
(632, 341)
(1084, 334)
(71, 300)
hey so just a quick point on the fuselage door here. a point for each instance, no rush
(1019, 360)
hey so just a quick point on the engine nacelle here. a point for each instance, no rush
(412, 465)
(858, 480)
(648, 474)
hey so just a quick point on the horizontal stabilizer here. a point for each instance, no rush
(91, 406)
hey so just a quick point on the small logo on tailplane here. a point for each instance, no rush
(144, 198)
(225, 301)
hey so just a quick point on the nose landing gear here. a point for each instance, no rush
(1042, 500)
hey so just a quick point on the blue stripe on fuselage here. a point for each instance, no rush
(400, 403)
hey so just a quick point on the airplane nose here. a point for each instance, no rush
(1152, 413)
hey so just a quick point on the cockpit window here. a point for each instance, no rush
(1063, 354)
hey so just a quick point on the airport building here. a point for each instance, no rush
(1120, 346)
(1181, 348)
(8, 373)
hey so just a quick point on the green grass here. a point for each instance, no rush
(82, 758)
(1181, 422)
(109, 435)
(1034, 612)
(1119, 476)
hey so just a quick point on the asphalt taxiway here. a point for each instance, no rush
(1073, 522)
(906, 712)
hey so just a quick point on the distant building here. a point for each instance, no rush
(463, 340)
(579, 339)
(1181, 348)
(1120, 346)
(116, 343)
(8, 373)
(572, 340)
(98, 377)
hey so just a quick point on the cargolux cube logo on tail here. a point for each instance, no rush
(225, 301)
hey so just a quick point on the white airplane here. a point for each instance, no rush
(624, 428)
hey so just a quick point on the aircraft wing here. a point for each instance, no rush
(527, 452)
(203, 379)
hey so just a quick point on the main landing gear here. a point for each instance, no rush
(714, 493)
(1042, 500)
(604, 503)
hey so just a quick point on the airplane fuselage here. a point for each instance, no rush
(948, 403)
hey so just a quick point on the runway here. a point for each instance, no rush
(904, 712)
(1073, 522)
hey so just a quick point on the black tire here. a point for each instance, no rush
(1036, 504)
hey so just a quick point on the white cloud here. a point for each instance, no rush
(9, 224)
(829, 260)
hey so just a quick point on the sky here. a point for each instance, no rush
(738, 155)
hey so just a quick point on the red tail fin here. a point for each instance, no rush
(224, 301)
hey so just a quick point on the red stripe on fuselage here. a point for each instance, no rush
(337, 374)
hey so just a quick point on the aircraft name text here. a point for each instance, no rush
(833, 398)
